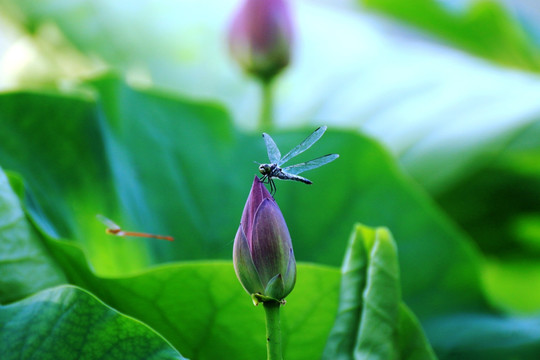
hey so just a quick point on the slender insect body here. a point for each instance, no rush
(114, 229)
(114, 232)
(284, 176)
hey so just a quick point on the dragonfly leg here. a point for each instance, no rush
(273, 187)
(268, 180)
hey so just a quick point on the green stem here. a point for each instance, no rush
(273, 330)
(267, 107)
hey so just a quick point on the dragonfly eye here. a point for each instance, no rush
(264, 169)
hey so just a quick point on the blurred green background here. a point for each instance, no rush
(133, 109)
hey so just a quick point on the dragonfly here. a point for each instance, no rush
(275, 170)
(114, 229)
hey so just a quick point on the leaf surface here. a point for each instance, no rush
(26, 266)
(67, 322)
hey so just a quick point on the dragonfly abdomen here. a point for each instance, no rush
(285, 176)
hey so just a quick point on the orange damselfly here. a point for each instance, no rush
(114, 229)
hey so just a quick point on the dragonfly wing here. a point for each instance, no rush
(311, 164)
(304, 145)
(107, 222)
(273, 152)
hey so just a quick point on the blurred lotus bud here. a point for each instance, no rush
(260, 37)
(262, 254)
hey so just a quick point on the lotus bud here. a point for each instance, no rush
(262, 253)
(260, 37)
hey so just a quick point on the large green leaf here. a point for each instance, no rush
(70, 181)
(25, 264)
(69, 323)
(372, 322)
(178, 167)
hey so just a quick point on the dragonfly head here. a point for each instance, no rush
(265, 169)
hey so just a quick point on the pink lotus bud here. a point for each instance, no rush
(262, 254)
(260, 37)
